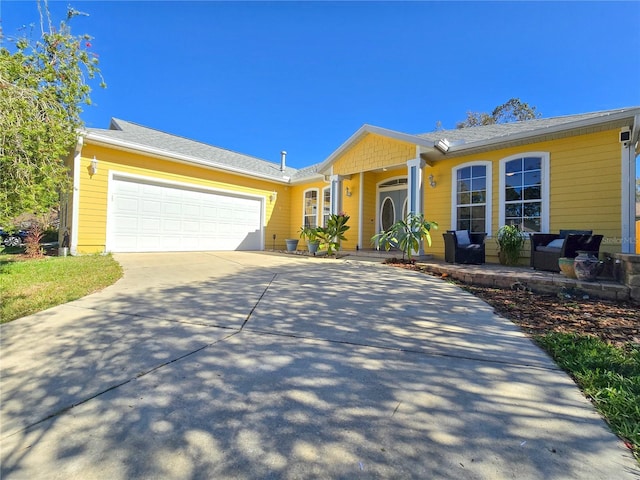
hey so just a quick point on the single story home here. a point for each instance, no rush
(136, 189)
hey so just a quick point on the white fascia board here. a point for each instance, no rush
(97, 139)
(589, 122)
(404, 137)
(315, 177)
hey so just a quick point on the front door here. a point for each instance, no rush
(392, 202)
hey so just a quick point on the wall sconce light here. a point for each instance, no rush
(348, 192)
(432, 181)
(93, 168)
(442, 145)
(273, 196)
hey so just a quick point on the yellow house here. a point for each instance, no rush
(136, 189)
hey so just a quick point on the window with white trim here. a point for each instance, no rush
(326, 205)
(524, 193)
(310, 209)
(472, 197)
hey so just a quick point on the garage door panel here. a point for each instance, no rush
(171, 208)
(145, 216)
(150, 207)
(171, 226)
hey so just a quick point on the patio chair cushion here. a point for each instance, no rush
(553, 245)
(462, 238)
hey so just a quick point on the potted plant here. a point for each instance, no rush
(292, 244)
(310, 234)
(332, 235)
(406, 234)
(510, 242)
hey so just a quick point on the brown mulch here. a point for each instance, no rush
(617, 323)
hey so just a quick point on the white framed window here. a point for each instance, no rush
(326, 205)
(310, 208)
(524, 191)
(471, 197)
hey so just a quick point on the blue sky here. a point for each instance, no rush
(260, 77)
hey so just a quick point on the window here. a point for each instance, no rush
(472, 196)
(523, 192)
(326, 205)
(310, 216)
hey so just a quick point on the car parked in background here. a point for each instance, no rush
(13, 239)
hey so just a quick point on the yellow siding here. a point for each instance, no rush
(585, 178)
(373, 152)
(92, 222)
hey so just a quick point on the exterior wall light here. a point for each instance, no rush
(432, 181)
(93, 168)
(348, 192)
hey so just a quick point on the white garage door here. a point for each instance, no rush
(151, 217)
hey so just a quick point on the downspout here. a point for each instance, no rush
(75, 214)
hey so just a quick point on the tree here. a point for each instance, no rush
(513, 110)
(43, 85)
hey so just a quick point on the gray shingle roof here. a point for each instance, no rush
(133, 135)
(539, 126)
(202, 153)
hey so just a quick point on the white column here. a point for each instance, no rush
(414, 190)
(75, 197)
(414, 185)
(628, 198)
(336, 194)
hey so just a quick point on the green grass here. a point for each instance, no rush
(30, 286)
(608, 375)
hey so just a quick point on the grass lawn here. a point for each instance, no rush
(608, 375)
(30, 286)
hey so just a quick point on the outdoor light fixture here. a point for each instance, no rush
(273, 196)
(442, 145)
(432, 181)
(93, 168)
(348, 192)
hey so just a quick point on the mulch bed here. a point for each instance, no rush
(617, 323)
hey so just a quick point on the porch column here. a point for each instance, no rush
(414, 190)
(414, 185)
(336, 194)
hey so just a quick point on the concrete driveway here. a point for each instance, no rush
(255, 366)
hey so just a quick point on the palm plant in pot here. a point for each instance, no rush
(510, 242)
(310, 234)
(406, 235)
(332, 235)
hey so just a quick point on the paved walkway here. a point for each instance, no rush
(253, 366)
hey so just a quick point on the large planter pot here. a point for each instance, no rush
(292, 244)
(313, 247)
(587, 266)
(567, 267)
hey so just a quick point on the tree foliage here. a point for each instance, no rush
(406, 234)
(43, 85)
(514, 110)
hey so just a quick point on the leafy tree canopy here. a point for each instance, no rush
(43, 85)
(513, 110)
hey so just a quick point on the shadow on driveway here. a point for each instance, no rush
(300, 368)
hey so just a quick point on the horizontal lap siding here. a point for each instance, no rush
(586, 184)
(92, 221)
(585, 187)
